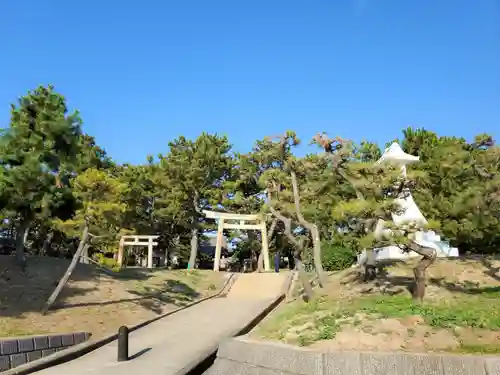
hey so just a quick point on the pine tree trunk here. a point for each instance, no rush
(304, 280)
(429, 255)
(311, 227)
(194, 232)
(194, 248)
(84, 258)
(26, 233)
(318, 265)
(165, 259)
(291, 260)
(69, 271)
(21, 232)
(46, 243)
(287, 222)
(370, 266)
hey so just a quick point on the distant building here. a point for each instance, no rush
(208, 246)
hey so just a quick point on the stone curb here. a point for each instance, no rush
(16, 351)
(77, 351)
(228, 285)
(246, 356)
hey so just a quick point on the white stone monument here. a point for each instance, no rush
(395, 156)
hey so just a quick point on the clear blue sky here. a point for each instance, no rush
(144, 72)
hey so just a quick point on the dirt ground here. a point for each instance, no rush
(460, 313)
(93, 300)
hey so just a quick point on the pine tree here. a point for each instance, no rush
(101, 210)
(197, 171)
(35, 155)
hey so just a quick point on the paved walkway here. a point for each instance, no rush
(170, 344)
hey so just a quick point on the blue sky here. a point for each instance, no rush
(144, 72)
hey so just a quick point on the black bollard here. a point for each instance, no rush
(122, 344)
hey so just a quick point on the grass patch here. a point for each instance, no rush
(304, 323)
(478, 311)
(478, 349)
(321, 319)
(16, 331)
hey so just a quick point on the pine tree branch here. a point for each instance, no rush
(196, 198)
(296, 199)
(313, 229)
(271, 230)
(287, 222)
(93, 236)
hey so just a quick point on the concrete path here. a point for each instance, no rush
(169, 345)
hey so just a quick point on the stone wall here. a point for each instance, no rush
(247, 357)
(18, 351)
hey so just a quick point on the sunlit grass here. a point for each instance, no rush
(321, 319)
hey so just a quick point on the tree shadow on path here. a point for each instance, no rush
(173, 292)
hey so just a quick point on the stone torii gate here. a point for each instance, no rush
(244, 221)
(137, 240)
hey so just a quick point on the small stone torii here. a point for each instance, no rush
(243, 220)
(137, 240)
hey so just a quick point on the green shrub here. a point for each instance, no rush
(106, 262)
(335, 257)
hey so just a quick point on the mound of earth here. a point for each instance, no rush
(460, 313)
(93, 300)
